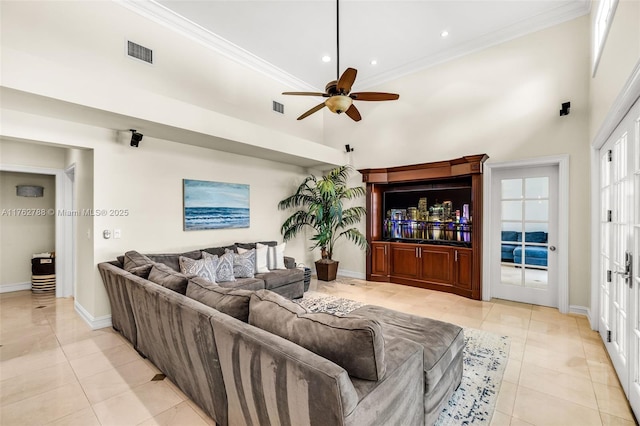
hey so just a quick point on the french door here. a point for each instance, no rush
(524, 231)
(619, 292)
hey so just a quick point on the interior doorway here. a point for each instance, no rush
(64, 224)
(526, 234)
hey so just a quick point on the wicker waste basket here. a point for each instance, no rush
(43, 272)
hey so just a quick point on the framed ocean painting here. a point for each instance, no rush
(215, 205)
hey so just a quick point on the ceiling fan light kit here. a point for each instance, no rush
(338, 103)
(338, 91)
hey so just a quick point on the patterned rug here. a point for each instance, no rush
(485, 358)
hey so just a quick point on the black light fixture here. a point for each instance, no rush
(566, 106)
(135, 137)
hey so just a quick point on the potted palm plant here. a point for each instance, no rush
(319, 206)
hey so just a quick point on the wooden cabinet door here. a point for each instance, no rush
(436, 264)
(404, 260)
(463, 265)
(379, 259)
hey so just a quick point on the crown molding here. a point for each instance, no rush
(166, 17)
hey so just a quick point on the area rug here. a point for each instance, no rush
(485, 358)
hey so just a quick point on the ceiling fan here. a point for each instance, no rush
(337, 92)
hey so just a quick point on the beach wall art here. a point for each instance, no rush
(215, 205)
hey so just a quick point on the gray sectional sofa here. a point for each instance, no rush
(254, 357)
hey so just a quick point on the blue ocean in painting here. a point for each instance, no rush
(215, 217)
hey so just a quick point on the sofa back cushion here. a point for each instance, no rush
(167, 277)
(219, 251)
(172, 260)
(535, 237)
(233, 302)
(356, 344)
(511, 236)
(138, 264)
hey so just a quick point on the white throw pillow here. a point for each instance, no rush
(261, 258)
(275, 256)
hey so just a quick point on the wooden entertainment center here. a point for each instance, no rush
(424, 225)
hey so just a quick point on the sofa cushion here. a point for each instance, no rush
(224, 266)
(442, 341)
(167, 277)
(280, 277)
(230, 301)
(244, 283)
(244, 265)
(138, 264)
(354, 343)
(275, 255)
(219, 251)
(172, 260)
(205, 268)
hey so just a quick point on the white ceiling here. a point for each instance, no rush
(287, 39)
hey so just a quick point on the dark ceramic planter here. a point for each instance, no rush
(326, 270)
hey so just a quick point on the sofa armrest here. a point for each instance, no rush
(289, 262)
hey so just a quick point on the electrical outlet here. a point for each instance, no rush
(117, 233)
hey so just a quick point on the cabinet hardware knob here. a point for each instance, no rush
(552, 248)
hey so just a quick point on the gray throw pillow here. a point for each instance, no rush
(138, 264)
(244, 264)
(205, 267)
(233, 302)
(354, 343)
(167, 277)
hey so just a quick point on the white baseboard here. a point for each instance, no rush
(8, 288)
(94, 323)
(352, 274)
(580, 310)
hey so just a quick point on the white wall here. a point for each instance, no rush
(147, 181)
(76, 51)
(620, 55)
(502, 101)
(24, 234)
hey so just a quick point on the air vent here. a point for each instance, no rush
(139, 52)
(278, 107)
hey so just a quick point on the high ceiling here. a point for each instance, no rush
(289, 38)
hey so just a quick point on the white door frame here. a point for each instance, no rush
(562, 161)
(628, 96)
(64, 228)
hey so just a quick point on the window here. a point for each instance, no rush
(602, 23)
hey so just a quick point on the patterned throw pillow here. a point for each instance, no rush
(244, 264)
(224, 267)
(205, 267)
(261, 259)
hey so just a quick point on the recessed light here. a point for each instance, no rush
(326, 58)
(374, 62)
(444, 34)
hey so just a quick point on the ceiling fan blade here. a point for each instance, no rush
(311, 111)
(353, 112)
(305, 94)
(374, 96)
(346, 80)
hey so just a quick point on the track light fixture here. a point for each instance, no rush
(566, 106)
(135, 137)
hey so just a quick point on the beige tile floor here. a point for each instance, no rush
(55, 370)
